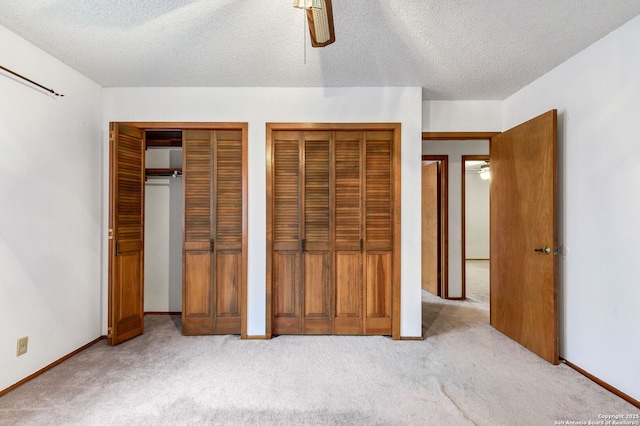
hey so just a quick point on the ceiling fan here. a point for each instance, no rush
(482, 169)
(320, 18)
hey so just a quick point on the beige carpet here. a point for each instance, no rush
(477, 280)
(463, 373)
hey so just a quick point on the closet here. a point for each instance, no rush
(214, 246)
(163, 217)
(333, 229)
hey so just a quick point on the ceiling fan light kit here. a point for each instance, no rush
(485, 173)
(320, 17)
(306, 4)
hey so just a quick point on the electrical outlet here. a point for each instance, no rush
(22, 346)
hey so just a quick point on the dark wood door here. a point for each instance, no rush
(524, 234)
(213, 231)
(126, 229)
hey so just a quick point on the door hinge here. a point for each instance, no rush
(112, 136)
(110, 236)
(109, 333)
(212, 245)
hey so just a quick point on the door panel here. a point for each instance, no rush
(286, 233)
(286, 306)
(524, 218)
(348, 300)
(317, 315)
(126, 222)
(197, 293)
(227, 232)
(316, 196)
(430, 211)
(378, 233)
(196, 308)
(348, 233)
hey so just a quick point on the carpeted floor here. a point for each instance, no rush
(464, 372)
(477, 280)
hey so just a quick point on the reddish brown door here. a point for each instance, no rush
(126, 227)
(524, 235)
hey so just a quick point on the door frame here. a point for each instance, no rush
(463, 214)
(443, 223)
(456, 136)
(395, 128)
(181, 125)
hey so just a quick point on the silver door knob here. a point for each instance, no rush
(545, 250)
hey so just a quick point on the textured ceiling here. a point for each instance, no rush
(453, 49)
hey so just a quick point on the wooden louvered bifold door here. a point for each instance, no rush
(332, 253)
(316, 243)
(126, 223)
(378, 232)
(212, 260)
(227, 231)
(348, 233)
(286, 252)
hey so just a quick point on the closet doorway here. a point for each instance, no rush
(333, 229)
(214, 250)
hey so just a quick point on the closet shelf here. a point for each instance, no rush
(163, 172)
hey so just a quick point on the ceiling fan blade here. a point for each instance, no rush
(321, 25)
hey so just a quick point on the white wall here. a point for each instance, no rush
(163, 234)
(476, 217)
(455, 150)
(258, 106)
(461, 116)
(596, 93)
(50, 220)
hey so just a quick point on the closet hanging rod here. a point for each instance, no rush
(53, 92)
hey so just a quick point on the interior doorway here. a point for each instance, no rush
(435, 227)
(475, 227)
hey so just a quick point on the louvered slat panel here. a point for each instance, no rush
(347, 188)
(130, 187)
(316, 191)
(378, 191)
(286, 191)
(197, 185)
(229, 187)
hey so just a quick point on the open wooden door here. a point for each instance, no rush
(524, 235)
(126, 228)
(430, 228)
